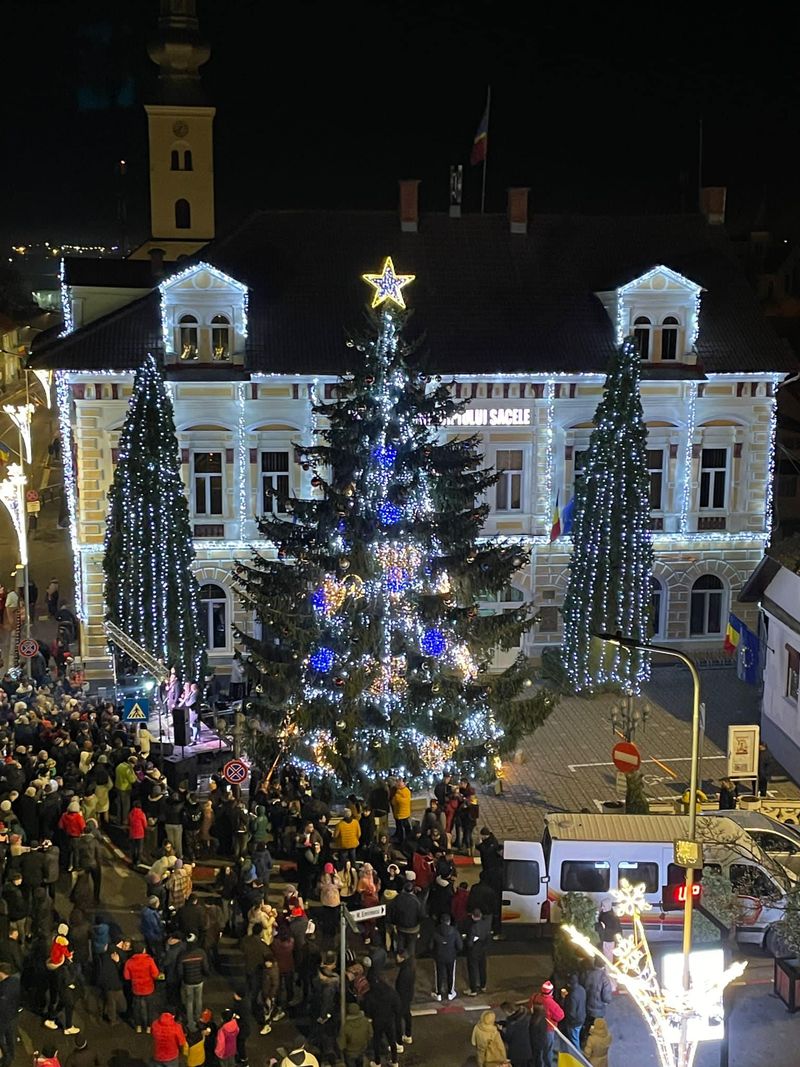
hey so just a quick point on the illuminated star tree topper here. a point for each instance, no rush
(388, 285)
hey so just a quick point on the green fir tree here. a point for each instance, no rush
(612, 554)
(150, 590)
(373, 653)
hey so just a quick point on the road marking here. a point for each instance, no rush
(575, 767)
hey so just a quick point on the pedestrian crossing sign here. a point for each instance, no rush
(136, 710)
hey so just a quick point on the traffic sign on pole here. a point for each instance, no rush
(360, 915)
(28, 648)
(235, 771)
(626, 757)
(32, 495)
(136, 709)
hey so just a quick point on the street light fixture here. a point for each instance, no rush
(45, 378)
(12, 495)
(629, 643)
(20, 415)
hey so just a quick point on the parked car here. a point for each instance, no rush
(780, 841)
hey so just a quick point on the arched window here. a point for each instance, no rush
(175, 160)
(669, 337)
(183, 215)
(187, 337)
(214, 616)
(221, 337)
(657, 609)
(187, 159)
(641, 332)
(708, 594)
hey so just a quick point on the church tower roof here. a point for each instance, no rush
(179, 53)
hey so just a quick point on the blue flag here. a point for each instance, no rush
(567, 516)
(748, 656)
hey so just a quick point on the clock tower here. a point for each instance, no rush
(180, 134)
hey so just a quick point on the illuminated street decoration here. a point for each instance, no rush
(388, 286)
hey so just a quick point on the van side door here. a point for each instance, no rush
(525, 883)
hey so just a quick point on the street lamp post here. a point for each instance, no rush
(624, 642)
(12, 495)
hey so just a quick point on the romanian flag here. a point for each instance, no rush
(5, 453)
(555, 529)
(732, 634)
(480, 146)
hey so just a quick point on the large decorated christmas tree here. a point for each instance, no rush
(150, 590)
(373, 654)
(612, 553)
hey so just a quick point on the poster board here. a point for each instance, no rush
(743, 751)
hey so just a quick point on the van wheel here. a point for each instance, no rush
(774, 943)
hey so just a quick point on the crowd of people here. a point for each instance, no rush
(73, 774)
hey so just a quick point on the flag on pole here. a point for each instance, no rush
(567, 516)
(5, 453)
(732, 634)
(480, 145)
(555, 529)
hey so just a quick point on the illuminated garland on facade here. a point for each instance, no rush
(243, 466)
(64, 403)
(688, 480)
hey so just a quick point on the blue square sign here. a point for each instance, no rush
(136, 709)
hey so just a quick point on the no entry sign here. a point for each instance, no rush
(626, 757)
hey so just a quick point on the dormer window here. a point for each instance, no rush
(641, 332)
(220, 337)
(669, 337)
(188, 337)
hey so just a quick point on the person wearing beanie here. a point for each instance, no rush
(48, 1057)
(330, 885)
(151, 924)
(553, 1011)
(355, 1036)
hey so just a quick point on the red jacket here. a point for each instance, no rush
(553, 1011)
(137, 824)
(422, 866)
(168, 1038)
(141, 972)
(72, 823)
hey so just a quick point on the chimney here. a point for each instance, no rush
(156, 263)
(712, 204)
(518, 209)
(409, 205)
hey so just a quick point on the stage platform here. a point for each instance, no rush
(199, 760)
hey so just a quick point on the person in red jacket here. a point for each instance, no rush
(422, 866)
(168, 1040)
(553, 1011)
(137, 828)
(141, 971)
(225, 1046)
(73, 825)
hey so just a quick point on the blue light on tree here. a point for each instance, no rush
(319, 601)
(433, 643)
(397, 580)
(389, 514)
(322, 660)
(384, 456)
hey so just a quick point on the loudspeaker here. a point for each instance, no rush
(161, 748)
(178, 770)
(180, 727)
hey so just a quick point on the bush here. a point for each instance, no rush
(636, 802)
(581, 912)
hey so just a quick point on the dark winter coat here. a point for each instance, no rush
(381, 1002)
(598, 992)
(478, 935)
(447, 944)
(406, 911)
(575, 1004)
(405, 981)
(517, 1035)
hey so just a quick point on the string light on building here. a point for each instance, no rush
(64, 403)
(688, 480)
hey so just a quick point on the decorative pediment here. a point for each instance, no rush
(203, 316)
(661, 279)
(200, 277)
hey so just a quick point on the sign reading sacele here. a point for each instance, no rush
(518, 416)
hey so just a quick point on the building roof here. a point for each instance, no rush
(566, 826)
(486, 300)
(753, 589)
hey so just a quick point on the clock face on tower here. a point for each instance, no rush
(180, 129)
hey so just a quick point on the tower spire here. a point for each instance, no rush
(179, 53)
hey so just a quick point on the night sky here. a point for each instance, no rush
(327, 105)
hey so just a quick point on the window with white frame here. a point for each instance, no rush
(188, 337)
(669, 337)
(207, 482)
(274, 481)
(792, 672)
(642, 328)
(214, 616)
(706, 608)
(508, 491)
(655, 471)
(221, 337)
(713, 479)
(657, 608)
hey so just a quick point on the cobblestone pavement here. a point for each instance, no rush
(566, 764)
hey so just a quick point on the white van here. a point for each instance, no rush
(591, 854)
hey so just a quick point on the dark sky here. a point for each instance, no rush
(329, 104)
